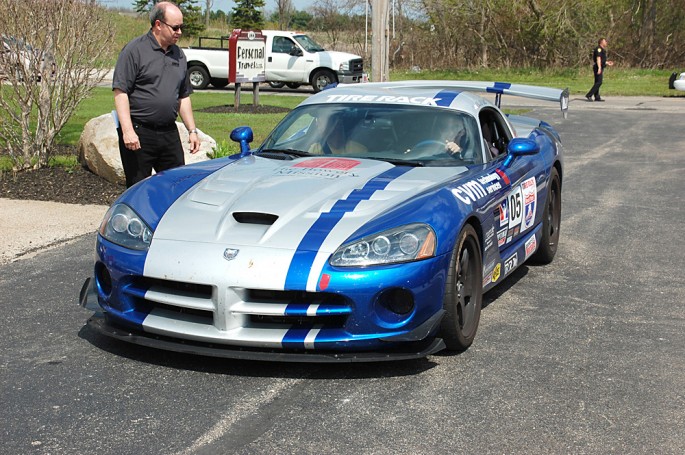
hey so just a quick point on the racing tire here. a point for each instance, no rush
(551, 222)
(199, 77)
(321, 79)
(218, 82)
(293, 85)
(276, 84)
(463, 297)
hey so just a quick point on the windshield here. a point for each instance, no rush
(308, 44)
(425, 135)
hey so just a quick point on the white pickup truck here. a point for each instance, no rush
(292, 59)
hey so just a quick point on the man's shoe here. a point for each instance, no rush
(588, 97)
(599, 100)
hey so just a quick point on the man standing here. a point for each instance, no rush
(150, 90)
(599, 62)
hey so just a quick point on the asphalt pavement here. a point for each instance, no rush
(585, 355)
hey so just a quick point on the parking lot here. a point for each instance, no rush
(586, 355)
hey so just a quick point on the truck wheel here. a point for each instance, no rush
(219, 82)
(322, 78)
(199, 78)
(276, 84)
(293, 85)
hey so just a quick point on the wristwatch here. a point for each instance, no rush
(194, 130)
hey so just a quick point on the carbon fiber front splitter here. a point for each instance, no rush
(413, 350)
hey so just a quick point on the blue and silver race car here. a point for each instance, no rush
(366, 227)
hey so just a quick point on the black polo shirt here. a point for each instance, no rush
(153, 79)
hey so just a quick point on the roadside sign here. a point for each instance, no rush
(246, 56)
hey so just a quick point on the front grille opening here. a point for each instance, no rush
(183, 311)
(199, 290)
(300, 321)
(266, 219)
(270, 296)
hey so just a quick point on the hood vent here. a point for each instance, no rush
(266, 219)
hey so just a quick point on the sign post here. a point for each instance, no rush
(246, 61)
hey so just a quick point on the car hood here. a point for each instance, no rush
(264, 202)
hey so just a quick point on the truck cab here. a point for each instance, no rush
(295, 58)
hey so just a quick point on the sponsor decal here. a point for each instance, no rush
(341, 164)
(328, 168)
(529, 190)
(421, 100)
(503, 213)
(502, 237)
(511, 263)
(531, 245)
(477, 189)
(487, 279)
(496, 273)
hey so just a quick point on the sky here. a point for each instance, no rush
(224, 5)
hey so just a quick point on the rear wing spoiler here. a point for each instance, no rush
(499, 89)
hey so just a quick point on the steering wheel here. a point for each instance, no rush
(427, 142)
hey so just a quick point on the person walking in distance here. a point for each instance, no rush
(599, 62)
(151, 89)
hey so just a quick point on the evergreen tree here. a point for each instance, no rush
(247, 15)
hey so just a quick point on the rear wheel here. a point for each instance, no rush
(199, 77)
(273, 84)
(463, 292)
(293, 85)
(321, 79)
(551, 222)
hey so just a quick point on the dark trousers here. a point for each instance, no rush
(594, 91)
(161, 149)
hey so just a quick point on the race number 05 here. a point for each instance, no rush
(515, 207)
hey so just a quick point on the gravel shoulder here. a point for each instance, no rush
(29, 227)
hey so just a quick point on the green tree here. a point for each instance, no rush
(247, 14)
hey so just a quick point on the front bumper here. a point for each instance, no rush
(350, 78)
(413, 345)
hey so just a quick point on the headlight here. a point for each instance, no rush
(345, 66)
(402, 244)
(124, 227)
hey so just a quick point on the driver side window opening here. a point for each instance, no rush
(496, 135)
(281, 45)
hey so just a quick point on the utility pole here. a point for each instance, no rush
(379, 43)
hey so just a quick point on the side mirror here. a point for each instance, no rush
(296, 51)
(521, 146)
(243, 135)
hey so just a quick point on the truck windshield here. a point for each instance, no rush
(308, 44)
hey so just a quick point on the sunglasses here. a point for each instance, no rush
(174, 27)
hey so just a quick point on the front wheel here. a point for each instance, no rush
(322, 78)
(551, 222)
(463, 292)
(199, 77)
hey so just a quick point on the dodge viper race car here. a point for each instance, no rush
(366, 227)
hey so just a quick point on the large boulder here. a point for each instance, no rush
(98, 148)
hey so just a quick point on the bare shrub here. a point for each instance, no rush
(52, 59)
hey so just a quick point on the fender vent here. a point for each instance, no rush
(266, 219)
